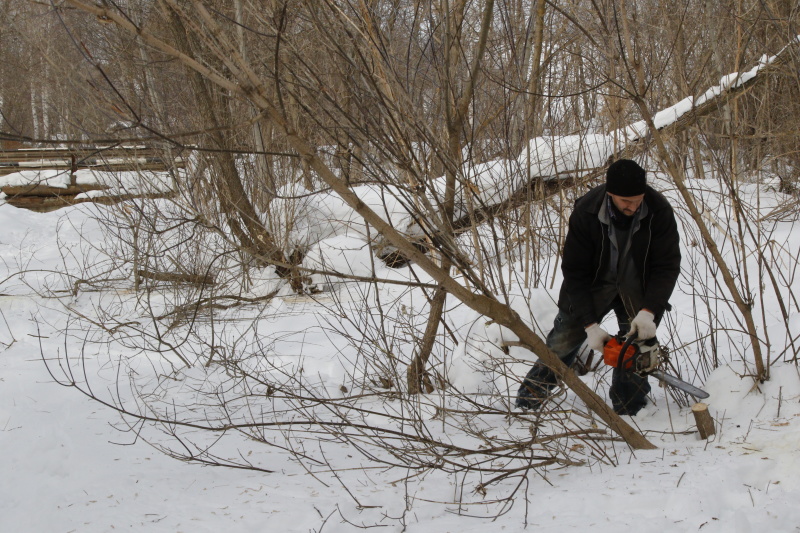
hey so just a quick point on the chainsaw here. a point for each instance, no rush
(643, 357)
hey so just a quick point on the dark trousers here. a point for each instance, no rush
(628, 391)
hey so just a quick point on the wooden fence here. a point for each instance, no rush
(40, 196)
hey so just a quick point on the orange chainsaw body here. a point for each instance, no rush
(613, 350)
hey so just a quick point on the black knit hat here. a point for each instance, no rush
(625, 178)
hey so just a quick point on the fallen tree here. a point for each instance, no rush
(242, 80)
(228, 69)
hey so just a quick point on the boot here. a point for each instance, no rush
(536, 387)
(629, 394)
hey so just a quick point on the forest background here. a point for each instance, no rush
(358, 259)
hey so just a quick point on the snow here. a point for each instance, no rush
(551, 156)
(50, 178)
(347, 255)
(315, 217)
(133, 182)
(68, 467)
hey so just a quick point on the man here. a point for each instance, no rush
(621, 253)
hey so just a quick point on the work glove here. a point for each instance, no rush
(643, 325)
(596, 337)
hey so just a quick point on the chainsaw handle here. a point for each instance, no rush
(625, 346)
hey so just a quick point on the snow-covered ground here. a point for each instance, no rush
(67, 466)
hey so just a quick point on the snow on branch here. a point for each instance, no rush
(730, 86)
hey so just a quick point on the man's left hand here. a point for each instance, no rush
(643, 325)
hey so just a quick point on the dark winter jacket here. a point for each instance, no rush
(654, 248)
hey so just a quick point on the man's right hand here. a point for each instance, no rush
(644, 325)
(596, 337)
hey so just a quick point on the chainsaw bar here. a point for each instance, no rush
(643, 358)
(679, 384)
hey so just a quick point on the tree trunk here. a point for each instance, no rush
(239, 212)
(457, 108)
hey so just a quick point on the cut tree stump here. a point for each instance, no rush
(705, 424)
